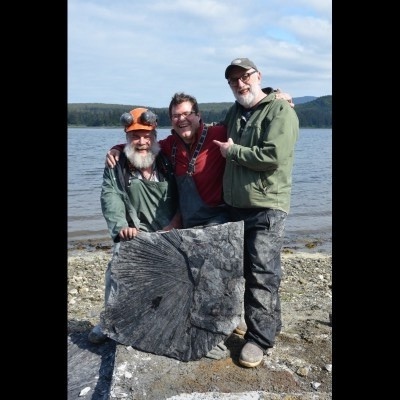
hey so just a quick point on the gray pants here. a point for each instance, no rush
(263, 241)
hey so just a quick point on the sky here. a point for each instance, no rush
(134, 52)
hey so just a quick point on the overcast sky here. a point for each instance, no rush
(136, 52)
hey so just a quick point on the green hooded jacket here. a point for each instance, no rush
(258, 171)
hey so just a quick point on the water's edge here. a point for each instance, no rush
(309, 243)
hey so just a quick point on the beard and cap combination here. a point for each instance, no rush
(137, 159)
(141, 119)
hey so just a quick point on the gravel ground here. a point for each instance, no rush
(299, 367)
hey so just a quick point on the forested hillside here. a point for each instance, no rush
(316, 113)
(313, 114)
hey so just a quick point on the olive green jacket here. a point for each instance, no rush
(128, 201)
(258, 171)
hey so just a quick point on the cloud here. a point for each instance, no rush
(141, 53)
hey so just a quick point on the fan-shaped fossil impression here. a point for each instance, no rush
(178, 293)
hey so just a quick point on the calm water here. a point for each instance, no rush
(309, 220)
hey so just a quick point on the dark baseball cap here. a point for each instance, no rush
(244, 63)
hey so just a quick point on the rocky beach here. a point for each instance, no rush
(298, 368)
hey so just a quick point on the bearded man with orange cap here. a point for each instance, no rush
(139, 193)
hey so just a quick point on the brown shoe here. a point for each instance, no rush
(241, 328)
(251, 355)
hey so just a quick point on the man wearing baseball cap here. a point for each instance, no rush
(262, 133)
(139, 193)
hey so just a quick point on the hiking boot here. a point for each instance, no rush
(241, 328)
(251, 355)
(96, 335)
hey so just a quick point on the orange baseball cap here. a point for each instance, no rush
(139, 118)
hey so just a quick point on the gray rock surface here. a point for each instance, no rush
(178, 293)
(89, 366)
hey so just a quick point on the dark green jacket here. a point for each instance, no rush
(258, 171)
(146, 205)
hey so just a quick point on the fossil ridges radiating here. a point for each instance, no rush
(179, 293)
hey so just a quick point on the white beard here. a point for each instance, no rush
(138, 160)
(248, 100)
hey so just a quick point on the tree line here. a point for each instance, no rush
(312, 114)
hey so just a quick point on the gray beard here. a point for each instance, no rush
(139, 161)
(245, 101)
(248, 100)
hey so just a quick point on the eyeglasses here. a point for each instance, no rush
(244, 78)
(185, 114)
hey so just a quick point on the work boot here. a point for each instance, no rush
(241, 328)
(251, 355)
(96, 335)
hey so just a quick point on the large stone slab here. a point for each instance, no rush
(179, 293)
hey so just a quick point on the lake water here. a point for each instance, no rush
(309, 220)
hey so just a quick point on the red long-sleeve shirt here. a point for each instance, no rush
(209, 166)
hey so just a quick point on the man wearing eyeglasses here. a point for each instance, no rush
(257, 181)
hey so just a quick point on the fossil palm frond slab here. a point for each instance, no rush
(178, 293)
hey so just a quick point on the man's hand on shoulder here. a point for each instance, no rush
(284, 96)
(112, 158)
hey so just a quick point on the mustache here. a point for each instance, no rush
(138, 160)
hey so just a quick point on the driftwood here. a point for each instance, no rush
(178, 293)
